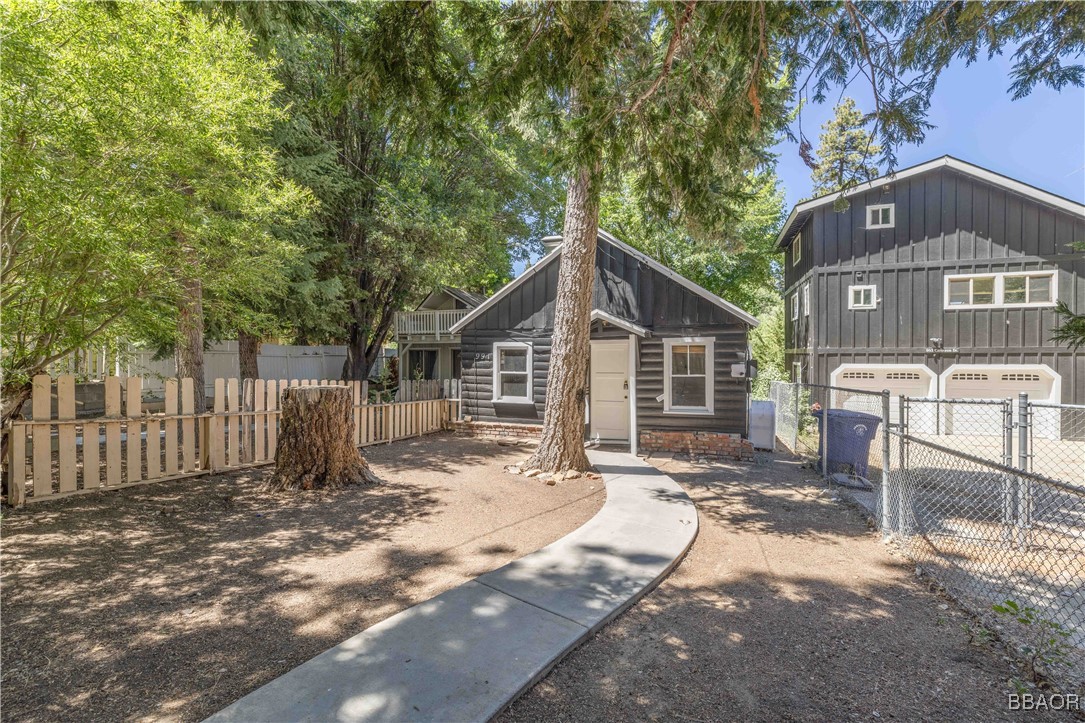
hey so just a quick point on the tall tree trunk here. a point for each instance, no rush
(562, 445)
(248, 350)
(355, 367)
(190, 343)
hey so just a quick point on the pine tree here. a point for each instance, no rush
(846, 152)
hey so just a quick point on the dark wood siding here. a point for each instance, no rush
(946, 222)
(629, 289)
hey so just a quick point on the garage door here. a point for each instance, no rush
(909, 380)
(973, 381)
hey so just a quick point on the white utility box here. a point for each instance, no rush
(763, 425)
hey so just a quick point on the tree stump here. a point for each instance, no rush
(316, 441)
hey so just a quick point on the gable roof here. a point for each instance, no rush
(745, 316)
(469, 298)
(802, 211)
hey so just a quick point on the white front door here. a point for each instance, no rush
(609, 399)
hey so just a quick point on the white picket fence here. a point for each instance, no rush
(424, 389)
(53, 457)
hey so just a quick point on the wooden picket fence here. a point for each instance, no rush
(53, 457)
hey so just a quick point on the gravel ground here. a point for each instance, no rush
(787, 608)
(171, 600)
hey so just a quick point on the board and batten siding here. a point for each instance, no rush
(629, 289)
(946, 223)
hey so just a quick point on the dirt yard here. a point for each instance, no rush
(787, 608)
(171, 600)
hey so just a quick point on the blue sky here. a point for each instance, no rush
(1039, 139)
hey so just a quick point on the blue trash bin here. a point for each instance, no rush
(850, 434)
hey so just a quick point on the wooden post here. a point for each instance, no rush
(247, 431)
(188, 426)
(259, 400)
(66, 433)
(41, 409)
(217, 441)
(112, 432)
(134, 429)
(273, 417)
(171, 427)
(17, 466)
(234, 422)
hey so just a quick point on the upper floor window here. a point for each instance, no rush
(512, 372)
(862, 297)
(806, 299)
(795, 307)
(880, 216)
(1016, 289)
(796, 250)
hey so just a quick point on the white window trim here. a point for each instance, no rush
(1000, 288)
(795, 306)
(863, 307)
(498, 346)
(796, 249)
(796, 372)
(806, 299)
(710, 369)
(879, 207)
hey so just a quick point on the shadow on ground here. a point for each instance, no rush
(785, 608)
(170, 601)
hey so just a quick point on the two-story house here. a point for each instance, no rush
(937, 281)
(427, 347)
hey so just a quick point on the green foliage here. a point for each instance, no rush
(767, 345)
(739, 263)
(1071, 330)
(1046, 645)
(134, 153)
(845, 152)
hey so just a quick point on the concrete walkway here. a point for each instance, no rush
(469, 652)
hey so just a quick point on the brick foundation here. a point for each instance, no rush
(704, 444)
(496, 430)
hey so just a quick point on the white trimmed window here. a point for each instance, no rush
(795, 306)
(862, 297)
(687, 375)
(796, 372)
(1004, 290)
(512, 372)
(796, 250)
(880, 216)
(806, 299)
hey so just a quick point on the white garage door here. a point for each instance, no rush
(910, 380)
(974, 381)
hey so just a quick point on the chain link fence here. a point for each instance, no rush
(988, 533)
(986, 496)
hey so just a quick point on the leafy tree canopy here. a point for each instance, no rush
(134, 142)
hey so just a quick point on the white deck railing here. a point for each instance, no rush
(435, 323)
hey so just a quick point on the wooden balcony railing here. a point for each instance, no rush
(428, 322)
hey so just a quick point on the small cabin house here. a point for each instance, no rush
(670, 363)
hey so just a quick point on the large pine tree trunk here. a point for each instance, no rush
(190, 341)
(248, 351)
(562, 445)
(316, 441)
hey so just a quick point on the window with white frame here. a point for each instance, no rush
(806, 299)
(512, 372)
(687, 375)
(880, 216)
(1001, 290)
(862, 297)
(796, 372)
(796, 250)
(795, 306)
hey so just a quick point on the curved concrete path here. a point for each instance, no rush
(469, 652)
